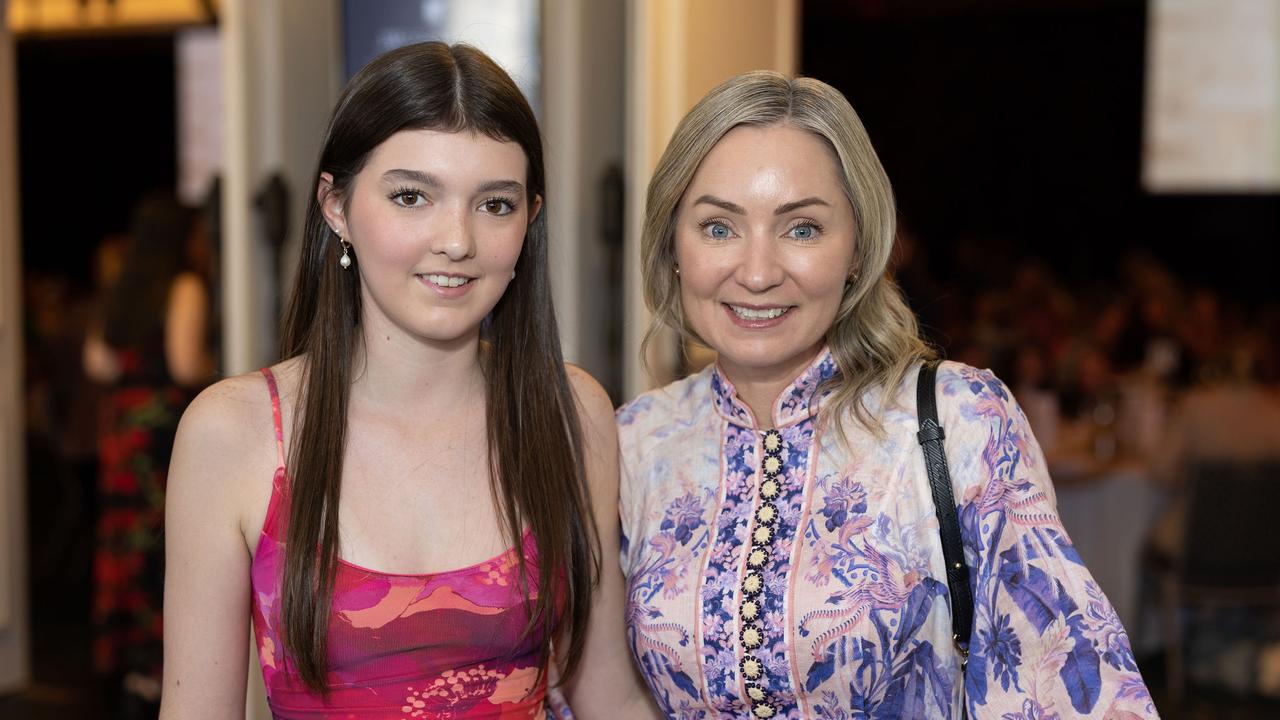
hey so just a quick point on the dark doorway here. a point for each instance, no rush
(97, 129)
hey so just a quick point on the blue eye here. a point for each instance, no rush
(804, 232)
(719, 231)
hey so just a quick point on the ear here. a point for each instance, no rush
(330, 201)
(536, 208)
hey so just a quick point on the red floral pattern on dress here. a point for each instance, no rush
(138, 421)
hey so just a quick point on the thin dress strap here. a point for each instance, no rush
(275, 413)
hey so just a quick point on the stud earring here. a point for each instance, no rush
(677, 270)
(513, 274)
(345, 260)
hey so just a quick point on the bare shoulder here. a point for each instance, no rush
(593, 401)
(187, 283)
(225, 420)
(229, 428)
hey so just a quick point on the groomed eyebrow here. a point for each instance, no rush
(423, 178)
(796, 205)
(510, 186)
(721, 203)
(416, 176)
(782, 209)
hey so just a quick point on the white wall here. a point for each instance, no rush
(14, 651)
(582, 121)
(311, 56)
(249, 145)
(281, 77)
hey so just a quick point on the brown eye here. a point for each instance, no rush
(497, 206)
(409, 198)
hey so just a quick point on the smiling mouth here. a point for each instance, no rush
(446, 281)
(747, 313)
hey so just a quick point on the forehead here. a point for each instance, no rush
(464, 153)
(773, 162)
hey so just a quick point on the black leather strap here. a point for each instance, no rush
(935, 461)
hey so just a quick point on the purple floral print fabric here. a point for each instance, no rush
(831, 602)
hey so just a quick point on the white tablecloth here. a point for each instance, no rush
(1108, 519)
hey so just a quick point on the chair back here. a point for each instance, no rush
(1233, 527)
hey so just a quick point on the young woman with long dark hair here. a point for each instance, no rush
(423, 423)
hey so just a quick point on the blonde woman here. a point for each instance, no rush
(781, 543)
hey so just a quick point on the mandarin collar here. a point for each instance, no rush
(798, 401)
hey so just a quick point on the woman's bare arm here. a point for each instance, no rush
(606, 684)
(207, 588)
(99, 360)
(186, 329)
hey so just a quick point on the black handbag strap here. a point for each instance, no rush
(935, 461)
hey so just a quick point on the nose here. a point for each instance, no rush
(454, 237)
(759, 266)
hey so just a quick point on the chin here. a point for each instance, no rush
(773, 355)
(442, 330)
(436, 336)
(755, 360)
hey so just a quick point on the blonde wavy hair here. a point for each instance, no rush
(874, 339)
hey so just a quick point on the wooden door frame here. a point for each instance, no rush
(15, 651)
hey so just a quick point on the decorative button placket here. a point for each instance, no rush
(762, 536)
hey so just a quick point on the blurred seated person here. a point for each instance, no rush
(149, 349)
(1086, 440)
(1035, 392)
(1151, 340)
(1203, 334)
(1234, 419)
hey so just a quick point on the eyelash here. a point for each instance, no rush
(713, 221)
(511, 203)
(817, 229)
(399, 193)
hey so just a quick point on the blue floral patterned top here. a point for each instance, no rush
(779, 573)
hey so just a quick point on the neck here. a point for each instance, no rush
(407, 375)
(759, 388)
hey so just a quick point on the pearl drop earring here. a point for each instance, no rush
(345, 260)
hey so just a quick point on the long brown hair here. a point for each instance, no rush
(134, 311)
(534, 436)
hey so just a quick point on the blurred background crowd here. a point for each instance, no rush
(1089, 195)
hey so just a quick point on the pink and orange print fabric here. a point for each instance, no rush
(444, 645)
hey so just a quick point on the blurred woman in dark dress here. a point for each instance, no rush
(149, 347)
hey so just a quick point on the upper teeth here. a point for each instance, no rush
(446, 280)
(754, 314)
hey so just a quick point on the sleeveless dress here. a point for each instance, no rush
(138, 419)
(440, 645)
